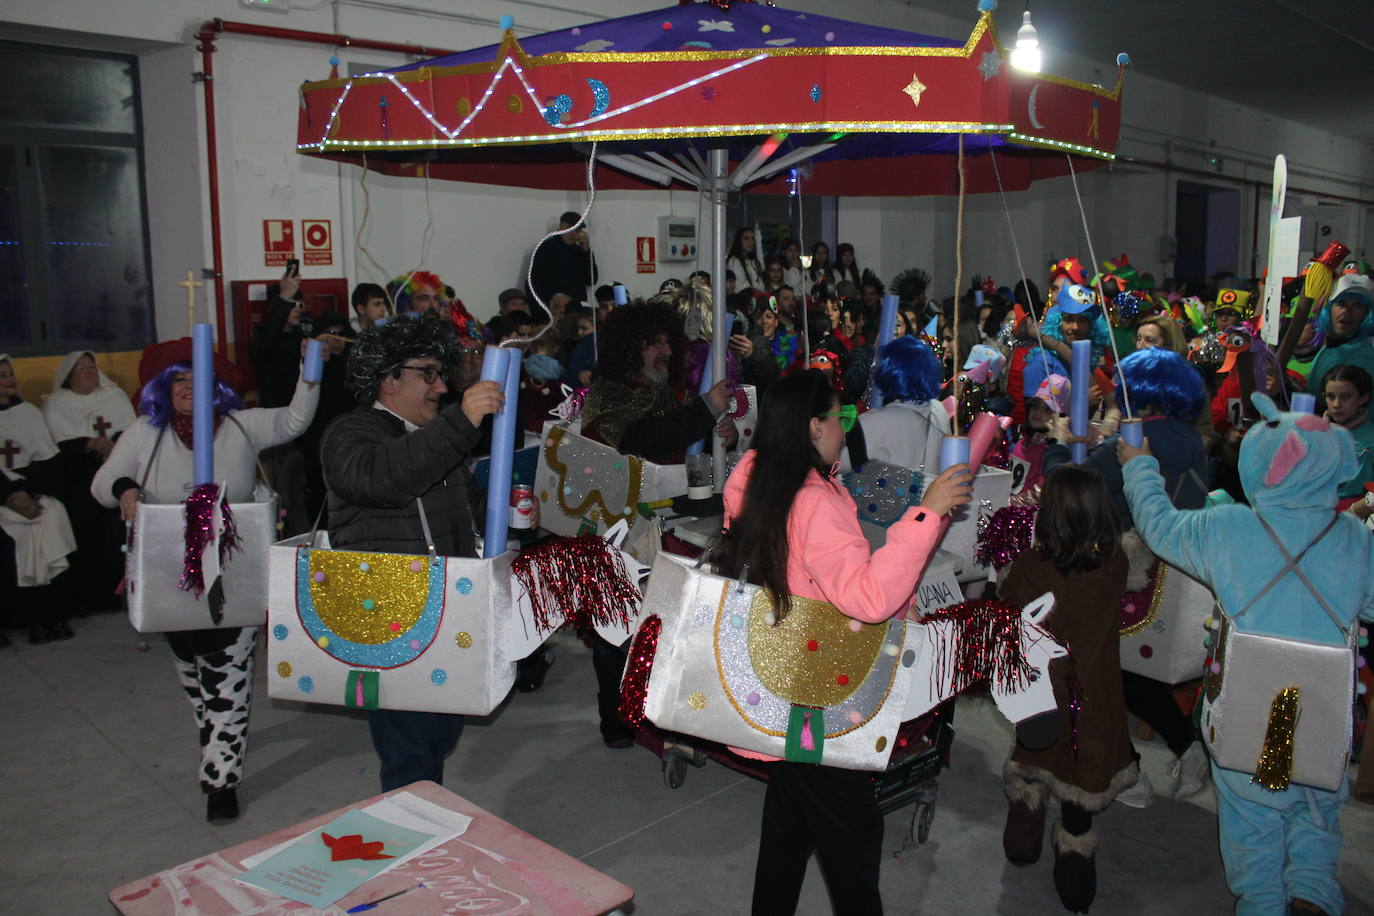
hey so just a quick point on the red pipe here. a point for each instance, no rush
(207, 49)
(322, 38)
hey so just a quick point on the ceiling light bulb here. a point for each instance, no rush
(1026, 55)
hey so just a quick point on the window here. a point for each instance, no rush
(73, 239)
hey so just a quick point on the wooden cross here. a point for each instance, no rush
(190, 284)
(9, 451)
(101, 424)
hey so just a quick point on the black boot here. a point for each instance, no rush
(1075, 872)
(1023, 837)
(222, 805)
(530, 671)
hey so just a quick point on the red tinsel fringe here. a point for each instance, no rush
(584, 577)
(984, 647)
(1010, 531)
(634, 687)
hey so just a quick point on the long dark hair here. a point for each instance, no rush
(1077, 528)
(783, 457)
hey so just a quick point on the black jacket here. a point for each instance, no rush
(561, 268)
(276, 353)
(375, 470)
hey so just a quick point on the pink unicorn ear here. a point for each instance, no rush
(1290, 452)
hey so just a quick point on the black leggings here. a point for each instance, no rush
(833, 813)
(1076, 820)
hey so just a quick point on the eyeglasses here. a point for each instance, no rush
(428, 373)
(848, 414)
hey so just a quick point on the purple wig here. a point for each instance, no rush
(156, 401)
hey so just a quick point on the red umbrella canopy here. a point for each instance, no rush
(777, 88)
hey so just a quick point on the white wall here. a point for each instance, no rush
(481, 234)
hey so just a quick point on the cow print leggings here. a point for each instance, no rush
(216, 671)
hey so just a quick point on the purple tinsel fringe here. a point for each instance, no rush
(1010, 531)
(200, 509)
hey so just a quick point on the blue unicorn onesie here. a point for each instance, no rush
(1277, 846)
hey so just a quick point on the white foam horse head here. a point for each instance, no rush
(1020, 703)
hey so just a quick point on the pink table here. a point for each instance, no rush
(494, 868)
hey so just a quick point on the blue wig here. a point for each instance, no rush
(1366, 328)
(907, 370)
(1101, 334)
(156, 401)
(1161, 378)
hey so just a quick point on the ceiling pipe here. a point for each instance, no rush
(321, 38)
(206, 46)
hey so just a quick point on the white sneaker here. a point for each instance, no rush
(1191, 770)
(1139, 795)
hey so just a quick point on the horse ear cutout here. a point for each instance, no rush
(1039, 731)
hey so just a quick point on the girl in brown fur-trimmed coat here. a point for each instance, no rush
(1077, 556)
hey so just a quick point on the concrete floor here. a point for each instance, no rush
(97, 788)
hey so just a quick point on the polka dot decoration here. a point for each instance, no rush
(438, 676)
(280, 631)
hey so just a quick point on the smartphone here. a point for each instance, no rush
(293, 266)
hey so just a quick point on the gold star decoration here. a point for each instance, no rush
(914, 89)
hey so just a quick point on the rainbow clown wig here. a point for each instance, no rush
(907, 370)
(1161, 379)
(403, 287)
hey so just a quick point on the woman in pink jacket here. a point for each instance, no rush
(797, 530)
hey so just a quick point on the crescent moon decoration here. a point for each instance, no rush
(1030, 108)
(601, 96)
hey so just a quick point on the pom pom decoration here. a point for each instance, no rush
(1207, 353)
(1123, 59)
(582, 577)
(1126, 308)
(1010, 531)
(507, 22)
(987, 6)
(634, 687)
(667, 26)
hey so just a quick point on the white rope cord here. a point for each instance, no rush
(1020, 267)
(358, 239)
(1101, 297)
(529, 271)
(958, 274)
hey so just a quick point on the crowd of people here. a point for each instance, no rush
(378, 453)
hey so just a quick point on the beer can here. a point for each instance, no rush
(521, 506)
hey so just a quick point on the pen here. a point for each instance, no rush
(367, 906)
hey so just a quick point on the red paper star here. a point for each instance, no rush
(353, 847)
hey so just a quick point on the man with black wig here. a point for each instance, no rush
(636, 402)
(396, 459)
